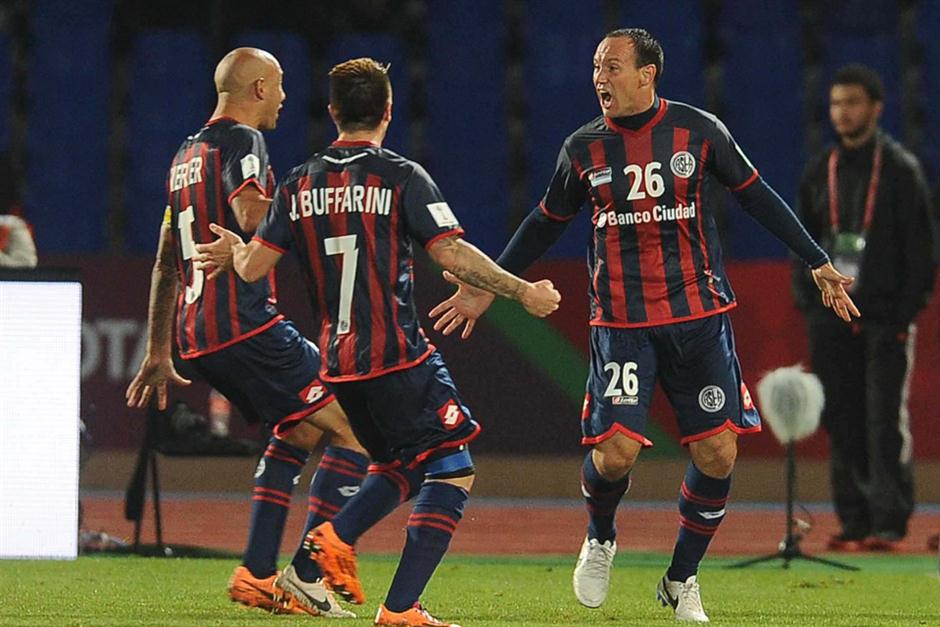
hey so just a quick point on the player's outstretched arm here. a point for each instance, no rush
(251, 261)
(467, 263)
(466, 305)
(832, 284)
(157, 367)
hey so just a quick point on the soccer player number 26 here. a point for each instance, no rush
(194, 291)
(627, 374)
(344, 245)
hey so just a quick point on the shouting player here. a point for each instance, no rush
(651, 171)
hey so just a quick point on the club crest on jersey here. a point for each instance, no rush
(682, 164)
(451, 415)
(711, 399)
(600, 176)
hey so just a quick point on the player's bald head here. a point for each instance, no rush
(239, 69)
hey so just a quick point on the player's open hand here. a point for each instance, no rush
(154, 374)
(217, 257)
(832, 284)
(541, 298)
(466, 305)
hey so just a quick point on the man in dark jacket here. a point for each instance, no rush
(865, 200)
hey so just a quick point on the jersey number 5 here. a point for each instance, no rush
(186, 219)
(344, 245)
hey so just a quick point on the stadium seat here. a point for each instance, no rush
(465, 143)
(6, 91)
(928, 25)
(66, 195)
(559, 48)
(861, 17)
(766, 117)
(680, 31)
(157, 125)
(759, 16)
(387, 49)
(289, 143)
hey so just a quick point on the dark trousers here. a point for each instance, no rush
(864, 371)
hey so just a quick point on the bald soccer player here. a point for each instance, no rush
(231, 335)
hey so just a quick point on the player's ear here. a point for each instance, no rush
(648, 74)
(387, 114)
(257, 88)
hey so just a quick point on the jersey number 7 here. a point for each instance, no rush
(344, 245)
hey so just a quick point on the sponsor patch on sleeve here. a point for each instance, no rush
(251, 166)
(600, 176)
(442, 214)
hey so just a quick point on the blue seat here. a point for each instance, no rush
(66, 194)
(861, 17)
(385, 49)
(680, 31)
(157, 125)
(465, 146)
(763, 110)
(928, 23)
(6, 91)
(559, 49)
(750, 16)
(288, 144)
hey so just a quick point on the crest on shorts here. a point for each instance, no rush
(711, 398)
(313, 392)
(682, 164)
(451, 415)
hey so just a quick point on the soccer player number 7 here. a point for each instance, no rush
(344, 245)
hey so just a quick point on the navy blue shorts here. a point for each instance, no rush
(695, 363)
(272, 376)
(409, 416)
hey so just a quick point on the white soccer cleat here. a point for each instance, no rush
(302, 597)
(592, 572)
(684, 597)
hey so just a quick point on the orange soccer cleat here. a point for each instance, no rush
(251, 591)
(337, 562)
(417, 616)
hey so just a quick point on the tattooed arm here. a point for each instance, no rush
(470, 265)
(157, 368)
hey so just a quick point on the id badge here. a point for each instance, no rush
(847, 256)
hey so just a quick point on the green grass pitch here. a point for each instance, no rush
(481, 591)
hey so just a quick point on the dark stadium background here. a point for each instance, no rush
(95, 96)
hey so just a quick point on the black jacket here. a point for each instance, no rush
(897, 266)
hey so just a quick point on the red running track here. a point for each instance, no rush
(489, 527)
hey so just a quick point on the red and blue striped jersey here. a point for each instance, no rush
(208, 171)
(351, 214)
(655, 256)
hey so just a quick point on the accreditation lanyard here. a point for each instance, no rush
(870, 198)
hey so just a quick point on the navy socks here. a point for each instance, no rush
(702, 501)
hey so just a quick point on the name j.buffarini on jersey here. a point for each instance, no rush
(352, 199)
(658, 213)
